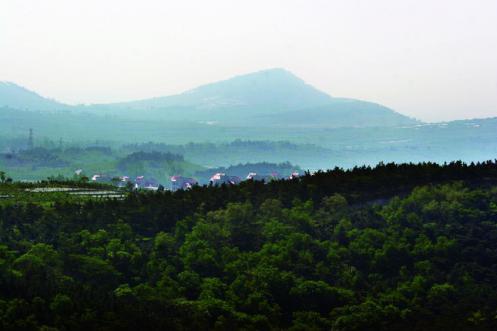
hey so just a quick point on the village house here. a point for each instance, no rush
(265, 178)
(182, 183)
(221, 178)
(294, 175)
(141, 182)
(101, 178)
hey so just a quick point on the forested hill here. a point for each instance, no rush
(395, 247)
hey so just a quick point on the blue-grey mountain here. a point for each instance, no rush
(266, 98)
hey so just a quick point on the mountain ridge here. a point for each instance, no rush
(241, 86)
(270, 97)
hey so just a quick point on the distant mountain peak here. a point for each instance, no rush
(274, 88)
(275, 75)
(272, 72)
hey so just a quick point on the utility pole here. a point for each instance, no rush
(30, 139)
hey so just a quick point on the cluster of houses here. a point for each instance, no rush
(184, 183)
(140, 182)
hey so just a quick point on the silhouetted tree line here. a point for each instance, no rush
(237, 145)
(75, 150)
(37, 157)
(394, 247)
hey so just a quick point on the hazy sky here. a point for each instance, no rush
(430, 59)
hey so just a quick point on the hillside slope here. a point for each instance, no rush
(15, 96)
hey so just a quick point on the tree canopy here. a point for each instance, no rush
(395, 247)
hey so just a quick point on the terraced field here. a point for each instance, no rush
(50, 194)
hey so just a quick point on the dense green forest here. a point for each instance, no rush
(394, 247)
